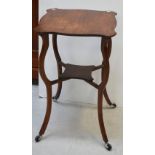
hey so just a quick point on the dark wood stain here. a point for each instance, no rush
(34, 42)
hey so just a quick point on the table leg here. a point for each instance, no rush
(105, 42)
(47, 82)
(59, 67)
(108, 47)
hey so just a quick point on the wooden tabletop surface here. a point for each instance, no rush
(78, 22)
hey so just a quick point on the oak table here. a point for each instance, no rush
(77, 23)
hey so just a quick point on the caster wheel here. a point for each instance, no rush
(113, 105)
(108, 146)
(37, 138)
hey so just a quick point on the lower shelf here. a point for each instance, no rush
(77, 72)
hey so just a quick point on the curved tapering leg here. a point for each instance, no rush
(105, 75)
(101, 122)
(112, 105)
(107, 47)
(47, 84)
(48, 110)
(59, 67)
(100, 116)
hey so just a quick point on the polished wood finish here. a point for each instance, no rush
(75, 71)
(47, 82)
(59, 67)
(34, 41)
(106, 50)
(78, 22)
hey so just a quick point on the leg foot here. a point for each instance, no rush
(37, 138)
(54, 98)
(113, 105)
(108, 146)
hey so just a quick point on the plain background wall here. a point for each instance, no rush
(86, 51)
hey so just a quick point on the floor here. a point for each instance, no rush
(74, 130)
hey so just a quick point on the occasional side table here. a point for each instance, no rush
(77, 23)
